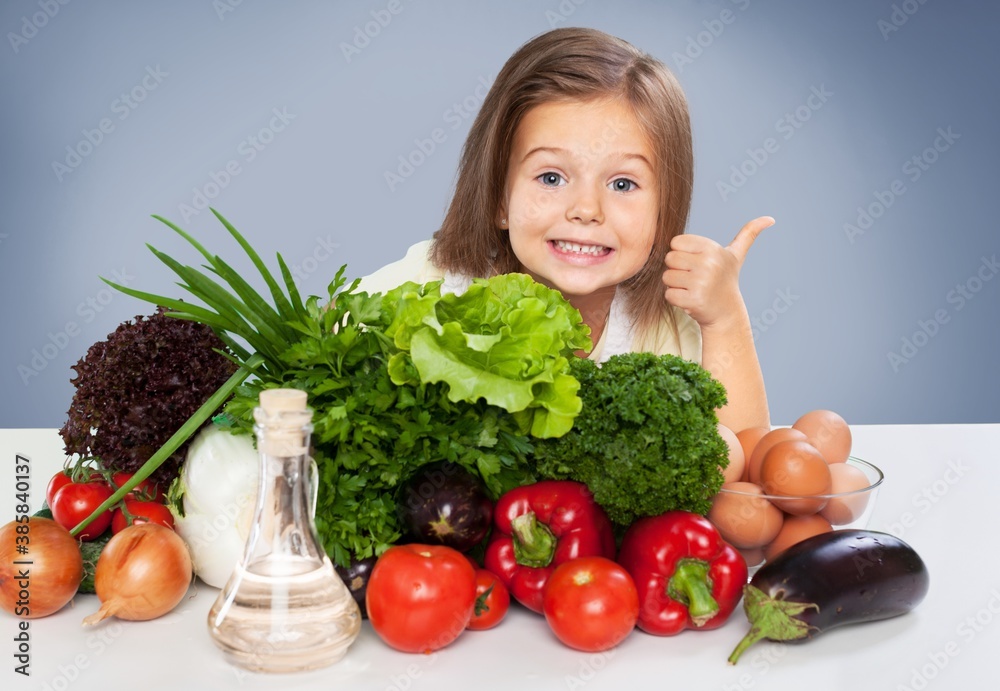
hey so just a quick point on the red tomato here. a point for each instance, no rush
(144, 491)
(142, 512)
(591, 603)
(492, 601)
(58, 481)
(76, 501)
(420, 597)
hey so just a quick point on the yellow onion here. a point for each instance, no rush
(40, 567)
(143, 573)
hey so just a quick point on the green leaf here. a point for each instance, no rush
(293, 291)
(280, 301)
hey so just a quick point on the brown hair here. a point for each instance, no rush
(569, 64)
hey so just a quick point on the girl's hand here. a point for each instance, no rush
(702, 276)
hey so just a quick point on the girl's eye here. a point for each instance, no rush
(550, 179)
(622, 185)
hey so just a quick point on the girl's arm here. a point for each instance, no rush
(702, 278)
(728, 353)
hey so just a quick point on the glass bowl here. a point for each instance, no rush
(762, 525)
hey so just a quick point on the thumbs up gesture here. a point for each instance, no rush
(702, 276)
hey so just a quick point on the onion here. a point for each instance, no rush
(51, 573)
(143, 573)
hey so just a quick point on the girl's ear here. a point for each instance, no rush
(501, 219)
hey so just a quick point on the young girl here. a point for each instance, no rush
(578, 171)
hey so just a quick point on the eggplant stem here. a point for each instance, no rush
(753, 635)
(772, 618)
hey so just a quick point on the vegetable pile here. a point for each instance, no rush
(397, 380)
(464, 457)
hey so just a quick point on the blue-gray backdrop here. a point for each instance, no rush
(330, 132)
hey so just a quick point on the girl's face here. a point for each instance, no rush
(582, 196)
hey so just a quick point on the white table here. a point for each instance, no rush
(940, 495)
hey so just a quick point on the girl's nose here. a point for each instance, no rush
(585, 207)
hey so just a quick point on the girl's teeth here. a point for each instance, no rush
(580, 249)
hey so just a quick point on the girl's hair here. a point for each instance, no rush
(559, 65)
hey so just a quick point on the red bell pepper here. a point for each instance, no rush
(686, 574)
(538, 527)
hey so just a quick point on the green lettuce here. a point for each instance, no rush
(505, 340)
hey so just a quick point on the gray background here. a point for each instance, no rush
(831, 309)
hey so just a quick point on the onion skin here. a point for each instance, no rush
(143, 573)
(54, 573)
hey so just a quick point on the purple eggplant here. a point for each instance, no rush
(355, 577)
(828, 580)
(444, 504)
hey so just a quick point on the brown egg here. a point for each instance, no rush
(764, 445)
(796, 529)
(737, 461)
(744, 518)
(795, 469)
(846, 478)
(748, 440)
(828, 432)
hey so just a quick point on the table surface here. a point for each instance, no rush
(938, 496)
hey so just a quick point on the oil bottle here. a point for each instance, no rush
(284, 609)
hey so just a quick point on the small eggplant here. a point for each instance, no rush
(444, 504)
(356, 577)
(831, 579)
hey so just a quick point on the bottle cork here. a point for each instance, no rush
(279, 400)
(282, 415)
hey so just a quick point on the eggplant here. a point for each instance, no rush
(828, 580)
(444, 504)
(356, 577)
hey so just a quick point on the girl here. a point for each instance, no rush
(578, 171)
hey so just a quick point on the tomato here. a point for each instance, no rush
(492, 601)
(145, 490)
(76, 501)
(591, 603)
(58, 481)
(142, 512)
(420, 597)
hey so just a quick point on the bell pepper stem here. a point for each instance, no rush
(691, 586)
(534, 543)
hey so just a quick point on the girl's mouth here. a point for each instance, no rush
(575, 248)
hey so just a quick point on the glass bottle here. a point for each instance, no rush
(284, 609)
